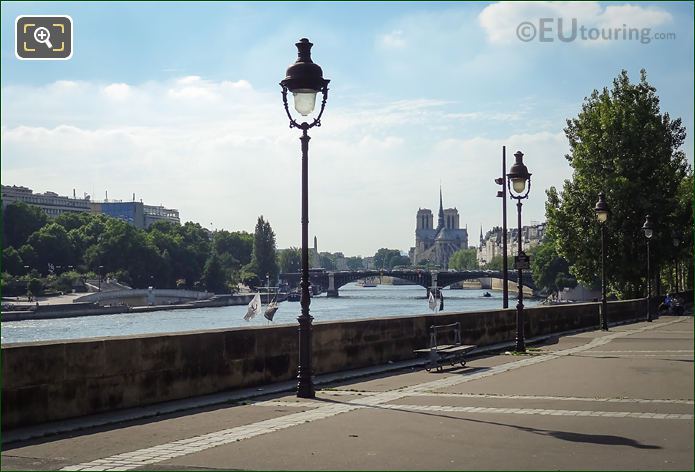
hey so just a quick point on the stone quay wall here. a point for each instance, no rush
(49, 381)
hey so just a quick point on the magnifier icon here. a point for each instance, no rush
(42, 35)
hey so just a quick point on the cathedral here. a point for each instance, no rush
(436, 245)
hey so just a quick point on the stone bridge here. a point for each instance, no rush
(332, 281)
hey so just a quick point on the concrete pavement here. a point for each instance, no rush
(621, 400)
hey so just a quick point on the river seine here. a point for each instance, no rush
(355, 302)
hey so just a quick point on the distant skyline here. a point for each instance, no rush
(180, 104)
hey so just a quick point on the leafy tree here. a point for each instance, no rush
(52, 246)
(124, 247)
(34, 286)
(290, 260)
(495, 263)
(546, 265)
(213, 275)
(71, 221)
(327, 260)
(29, 256)
(621, 144)
(464, 259)
(354, 263)
(389, 258)
(12, 261)
(19, 221)
(238, 245)
(263, 255)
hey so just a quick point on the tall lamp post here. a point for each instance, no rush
(517, 178)
(648, 229)
(602, 213)
(304, 79)
(503, 195)
(676, 243)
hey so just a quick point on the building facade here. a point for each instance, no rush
(50, 202)
(136, 213)
(435, 245)
(490, 245)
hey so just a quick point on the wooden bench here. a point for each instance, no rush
(445, 347)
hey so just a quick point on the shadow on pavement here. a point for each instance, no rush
(563, 435)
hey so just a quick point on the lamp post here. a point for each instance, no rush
(304, 79)
(602, 213)
(101, 268)
(676, 243)
(503, 195)
(516, 182)
(648, 229)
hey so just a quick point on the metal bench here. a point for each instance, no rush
(445, 347)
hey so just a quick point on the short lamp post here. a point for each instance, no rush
(648, 229)
(602, 214)
(517, 180)
(304, 79)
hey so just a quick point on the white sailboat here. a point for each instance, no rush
(254, 307)
(272, 305)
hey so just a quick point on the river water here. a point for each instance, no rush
(355, 302)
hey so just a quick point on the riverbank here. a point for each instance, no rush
(76, 309)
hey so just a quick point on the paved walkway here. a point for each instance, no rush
(594, 400)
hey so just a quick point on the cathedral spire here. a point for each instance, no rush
(440, 222)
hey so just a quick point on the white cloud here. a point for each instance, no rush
(501, 20)
(117, 91)
(222, 153)
(392, 40)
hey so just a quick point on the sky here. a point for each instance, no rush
(179, 103)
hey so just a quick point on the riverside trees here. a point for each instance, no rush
(622, 144)
(165, 255)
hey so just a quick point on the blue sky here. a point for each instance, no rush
(179, 102)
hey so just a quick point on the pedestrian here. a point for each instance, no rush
(441, 301)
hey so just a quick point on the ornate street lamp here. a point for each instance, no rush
(602, 213)
(304, 79)
(503, 195)
(517, 178)
(648, 229)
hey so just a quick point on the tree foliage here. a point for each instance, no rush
(547, 265)
(464, 259)
(290, 260)
(263, 257)
(19, 222)
(387, 259)
(621, 144)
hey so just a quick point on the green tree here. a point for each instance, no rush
(238, 245)
(290, 260)
(12, 261)
(19, 221)
(495, 263)
(621, 144)
(263, 258)
(354, 263)
(327, 260)
(214, 277)
(124, 247)
(52, 246)
(464, 259)
(387, 259)
(71, 221)
(546, 265)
